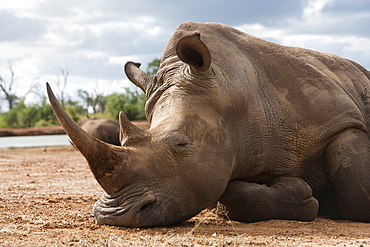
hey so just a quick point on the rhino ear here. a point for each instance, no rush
(138, 77)
(192, 51)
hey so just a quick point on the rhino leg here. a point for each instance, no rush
(287, 198)
(348, 159)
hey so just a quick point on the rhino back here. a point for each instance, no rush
(106, 130)
(289, 100)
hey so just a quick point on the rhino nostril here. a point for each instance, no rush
(147, 204)
(142, 211)
(147, 207)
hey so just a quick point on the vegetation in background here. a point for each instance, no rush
(28, 116)
(131, 102)
(153, 66)
(7, 88)
(22, 115)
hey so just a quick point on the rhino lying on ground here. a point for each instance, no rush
(267, 130)
(106, 130)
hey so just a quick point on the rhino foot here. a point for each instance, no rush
(287, 198)
(348, 163)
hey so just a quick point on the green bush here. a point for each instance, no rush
(22, 116)
(42, 123)
(131, 103)
(9, 119)
(28, 116)
(115, 103)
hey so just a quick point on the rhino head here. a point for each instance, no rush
(178, 167)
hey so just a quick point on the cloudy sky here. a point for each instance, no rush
(93, 39)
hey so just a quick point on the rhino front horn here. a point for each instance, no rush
(106, 161)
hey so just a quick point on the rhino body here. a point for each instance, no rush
(106, 130)
(267, 130)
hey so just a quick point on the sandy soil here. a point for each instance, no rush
(47, 195)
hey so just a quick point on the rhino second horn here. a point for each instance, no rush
(105, 160)
(129, 133)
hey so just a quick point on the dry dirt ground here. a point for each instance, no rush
(46, 197)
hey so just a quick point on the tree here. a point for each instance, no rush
(131, 103)
(46, 115)
(95, 100)
(62, 79)
(115, 103)
(75, 110)
(153, 66)
(87, 98)
(7, 87)
(35, 115)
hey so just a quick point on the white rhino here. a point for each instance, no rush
(267, 130)
(104, 129)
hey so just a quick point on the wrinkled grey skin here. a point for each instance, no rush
(106, 130)
(265, 129)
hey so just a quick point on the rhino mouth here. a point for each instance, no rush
(111, 210)
(143, 210)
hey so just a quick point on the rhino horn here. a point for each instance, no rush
(106, 161)
(138, 77)
(192, 51)
(129, 133)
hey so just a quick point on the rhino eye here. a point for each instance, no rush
(177, 140)
(182, 144)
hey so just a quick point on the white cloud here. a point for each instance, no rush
(122, 59)
(314, 8)
(320, 30)
(94, 38)
(348, 46)
(19, 5)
